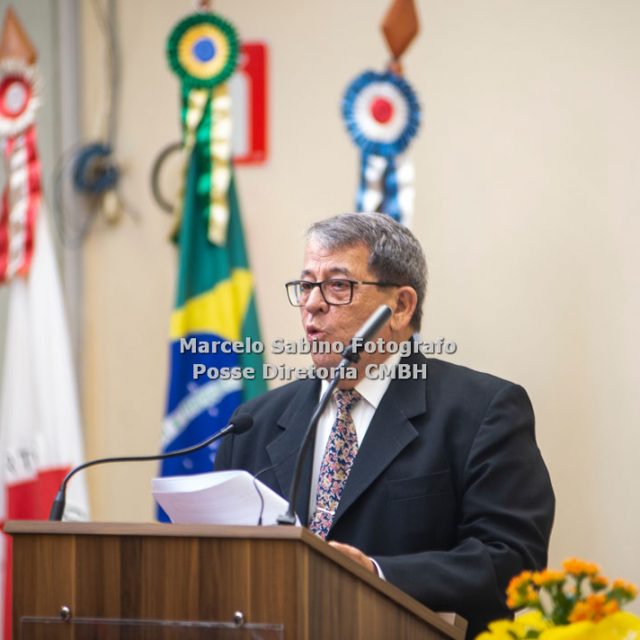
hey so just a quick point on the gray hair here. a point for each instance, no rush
(395, 255)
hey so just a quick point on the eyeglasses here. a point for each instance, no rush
(335, 291)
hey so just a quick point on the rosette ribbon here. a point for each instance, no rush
(203, 51)
(19, 100)
(382, 116)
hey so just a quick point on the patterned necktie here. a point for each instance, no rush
(339, 455)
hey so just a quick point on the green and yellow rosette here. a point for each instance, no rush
(203, 52)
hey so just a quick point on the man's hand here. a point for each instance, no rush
(355, 554)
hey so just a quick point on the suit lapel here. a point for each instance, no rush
(283, 450)
(388, 434)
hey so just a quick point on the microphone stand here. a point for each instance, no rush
(57, 507)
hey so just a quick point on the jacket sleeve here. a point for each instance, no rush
(505, 518)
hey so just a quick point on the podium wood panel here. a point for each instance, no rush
(184, 572)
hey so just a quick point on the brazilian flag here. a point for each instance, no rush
(215, 304)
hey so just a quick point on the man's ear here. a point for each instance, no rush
(406, 300)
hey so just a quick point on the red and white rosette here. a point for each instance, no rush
(19, 100)
(382, 115)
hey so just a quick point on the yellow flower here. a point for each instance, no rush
(598, 583)
(520, 580)
(522, 627)
(531, 597)
(518, 591)
(548, 577)
(581, 611)
(628, 589)
(577, 567)
(594, 608)
(578, 631)
(528, 622)
(619, 626)
(498, 630)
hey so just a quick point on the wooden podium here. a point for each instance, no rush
(279, 578)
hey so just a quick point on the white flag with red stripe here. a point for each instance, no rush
(40, 435)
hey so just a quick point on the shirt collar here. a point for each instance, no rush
(372, 390)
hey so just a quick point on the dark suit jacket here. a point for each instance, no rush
(448, 492)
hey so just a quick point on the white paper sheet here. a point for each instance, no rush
(219, 497)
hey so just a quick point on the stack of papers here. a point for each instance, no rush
(220, 497)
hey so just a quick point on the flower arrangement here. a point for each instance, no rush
(577, 603)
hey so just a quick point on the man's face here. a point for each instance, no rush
(338, 323)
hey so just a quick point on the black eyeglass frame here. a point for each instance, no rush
(321, 284)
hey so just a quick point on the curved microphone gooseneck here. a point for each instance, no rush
(242, 423)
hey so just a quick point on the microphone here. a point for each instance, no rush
(242, 423)
(351, 354)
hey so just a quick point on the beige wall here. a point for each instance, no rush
(527, 204)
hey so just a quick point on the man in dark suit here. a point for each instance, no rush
(434, 482)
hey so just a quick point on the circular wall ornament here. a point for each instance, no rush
(19, 97)
(203, 50)
(381, 112)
